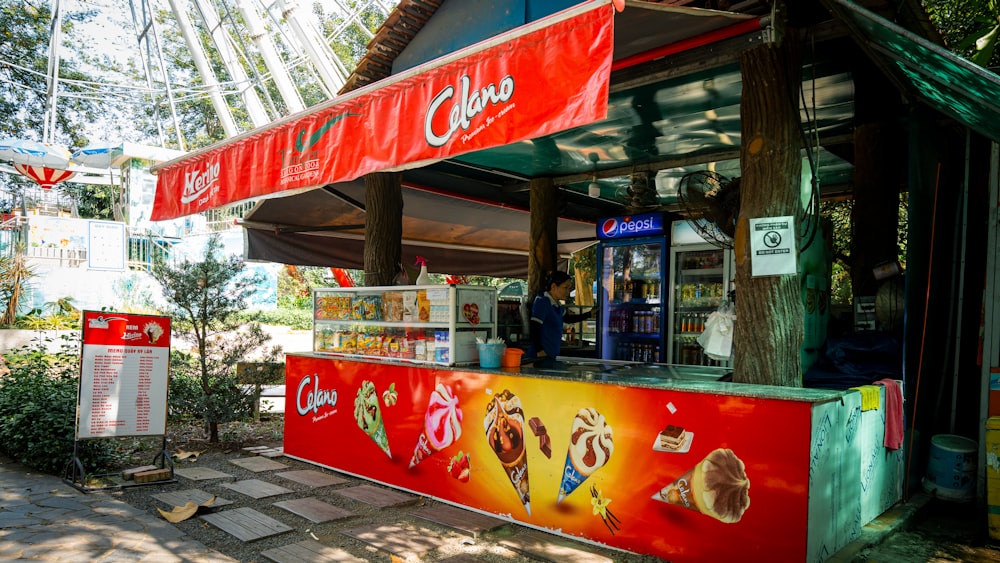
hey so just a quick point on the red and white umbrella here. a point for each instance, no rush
(45, 177)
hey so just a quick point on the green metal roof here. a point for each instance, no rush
(674, 126)
(961, 90)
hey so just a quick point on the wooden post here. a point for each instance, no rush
(383, 227)
(543, 233)
(769, 312)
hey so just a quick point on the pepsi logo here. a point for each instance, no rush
(610, 227)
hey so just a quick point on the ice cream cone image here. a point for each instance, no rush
(369, 416)
(717, 486)
(442, 424)
(590, 447)
(504, 425)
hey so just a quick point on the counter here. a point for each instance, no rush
(655, 459)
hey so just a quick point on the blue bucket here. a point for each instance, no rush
(491, 354)
(951, 469)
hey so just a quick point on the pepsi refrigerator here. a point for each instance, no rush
(701, 276)
(632, 277)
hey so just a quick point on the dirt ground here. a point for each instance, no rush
(943, 531)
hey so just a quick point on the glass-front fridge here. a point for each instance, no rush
(700, 279)
(632, 256)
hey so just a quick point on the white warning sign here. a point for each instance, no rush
(772, 246)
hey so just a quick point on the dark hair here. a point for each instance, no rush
(555, 278)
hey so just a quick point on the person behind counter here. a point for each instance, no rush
(547, 317)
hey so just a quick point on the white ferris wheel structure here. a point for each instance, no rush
(278, 36)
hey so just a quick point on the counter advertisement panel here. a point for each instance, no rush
(666, 472)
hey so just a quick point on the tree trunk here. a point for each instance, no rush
(383, 227)
(875, 213)
(543, 257)
(769, 326)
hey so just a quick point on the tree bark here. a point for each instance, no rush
(769, 312)
(875, 213)
(383, 227)
(544, 232)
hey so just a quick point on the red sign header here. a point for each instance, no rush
(544, 77)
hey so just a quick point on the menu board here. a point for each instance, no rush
(106, 246)
(123, 375)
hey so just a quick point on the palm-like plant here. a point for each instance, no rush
(15, 276)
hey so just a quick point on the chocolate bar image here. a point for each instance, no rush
(545, 444)
(537, 428)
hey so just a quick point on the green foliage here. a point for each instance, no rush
(38, 410)
(229, 401)
(840, 215)
(970, 28)
(298, 319)
(38, 321)
(15, 281)
(205, 300)
(586, 260)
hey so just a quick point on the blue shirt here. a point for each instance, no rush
(549, 313)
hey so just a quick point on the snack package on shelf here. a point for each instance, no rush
(392, 306)
(333, 307)
(369, 308)
(423, 307)
(411, 310)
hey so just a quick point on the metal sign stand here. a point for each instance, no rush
(124, 378)
(76, 477)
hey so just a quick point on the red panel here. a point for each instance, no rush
(770, 437)
(536, 80)
(112, 329)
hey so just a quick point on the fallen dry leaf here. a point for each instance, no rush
(179, 513)
(181, 455)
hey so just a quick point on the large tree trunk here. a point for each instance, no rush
(769, 313)
(880, 147)
(383, 227)
(543, 257)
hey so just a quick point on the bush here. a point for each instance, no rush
(298, 319)
(38, 412)
(187, 398)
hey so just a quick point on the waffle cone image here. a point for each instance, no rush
(504, 426)
(590, 446)
(442, 424)
(368, 415)
(717, 486)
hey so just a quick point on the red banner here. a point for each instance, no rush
(542, 78)
(666, 472)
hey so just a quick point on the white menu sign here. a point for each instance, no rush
(123, 375)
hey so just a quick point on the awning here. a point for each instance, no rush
(954, 86)
(456, 235)
(540, 78)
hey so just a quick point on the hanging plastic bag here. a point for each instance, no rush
(717, 338)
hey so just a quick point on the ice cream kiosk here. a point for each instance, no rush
(656, 459)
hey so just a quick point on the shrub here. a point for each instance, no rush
(299, 319)
(187, 399)
(204, 300)
(38, 412)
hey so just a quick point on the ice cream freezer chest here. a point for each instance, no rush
(433, 324)
(660, 468)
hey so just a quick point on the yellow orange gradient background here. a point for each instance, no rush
(770, 436)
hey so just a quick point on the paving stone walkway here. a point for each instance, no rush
(44, 519)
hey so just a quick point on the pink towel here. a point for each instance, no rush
(893, 414)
